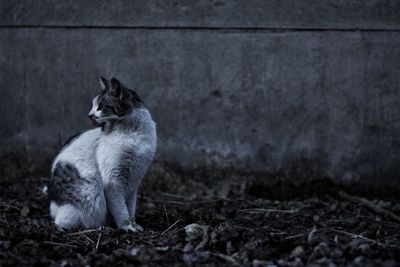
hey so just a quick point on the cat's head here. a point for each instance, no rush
(113, 103)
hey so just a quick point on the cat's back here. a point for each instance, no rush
(75, 189)
(80, 150)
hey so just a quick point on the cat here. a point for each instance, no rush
(99, 171)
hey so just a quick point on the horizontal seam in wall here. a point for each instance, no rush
(237, 29)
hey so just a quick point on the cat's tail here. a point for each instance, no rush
(76, 201)
(74, 215)
(68, 216)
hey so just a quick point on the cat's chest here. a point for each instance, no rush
(111, 146)
(116, 143)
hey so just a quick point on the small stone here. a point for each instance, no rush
(297, 263)
(358, 260)
(188, 248)
(362, 224)
(24, 211)
(229, 248)
(134, 251)
(297, 252)
(310, 237)
(162, 249)
(283, 263)
(365, 248)
(193, 231)
(337, 254)
(5, 244)
(259, 263)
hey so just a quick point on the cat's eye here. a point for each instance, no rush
(100, 107)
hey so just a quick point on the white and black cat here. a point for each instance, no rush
(100, 170)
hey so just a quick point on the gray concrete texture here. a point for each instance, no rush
(293, 14)
(302, 103)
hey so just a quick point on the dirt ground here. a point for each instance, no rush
(235, 227)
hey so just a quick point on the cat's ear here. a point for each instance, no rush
(105, 84)
(117, 89)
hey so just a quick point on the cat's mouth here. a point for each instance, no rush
(94, 122)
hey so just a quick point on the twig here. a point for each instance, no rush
(358, 236)
(84, 232)
(172, 225)
(59, 244)
(278, 233)
(166, 214)
(267, 228)
(88, 238)
(370, 205)
(5, 219)
(178, 230)
(259, 210)
(175, 202)
(169, 201)
(98, 241)
(295, 236)
(10, 206)
(227, 258)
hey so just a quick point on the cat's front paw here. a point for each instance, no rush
(131, 226)
(136, 228)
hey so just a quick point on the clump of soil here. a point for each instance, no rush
(233, 228)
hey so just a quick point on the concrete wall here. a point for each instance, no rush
(303, 88)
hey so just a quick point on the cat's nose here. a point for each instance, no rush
(90, 116)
